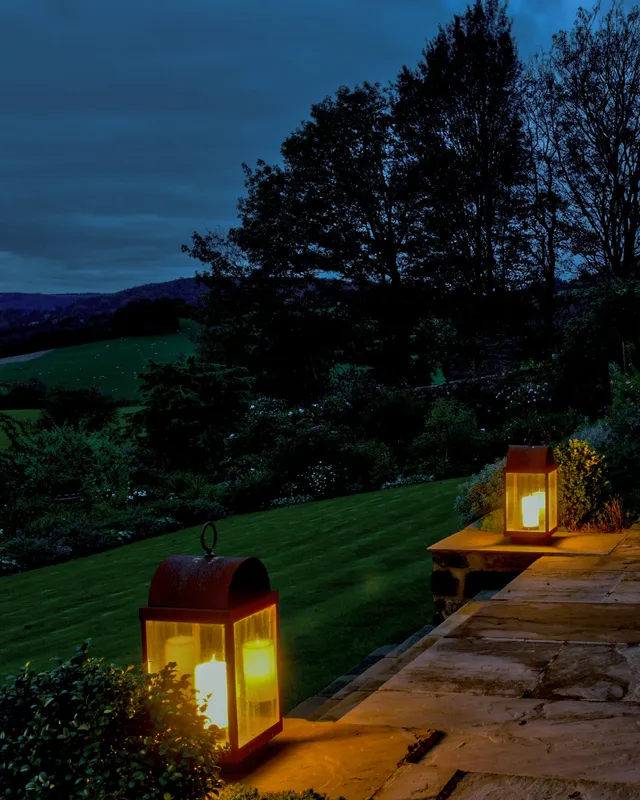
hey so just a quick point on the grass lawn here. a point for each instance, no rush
(353, 575)
(33, 415)
(111, 366)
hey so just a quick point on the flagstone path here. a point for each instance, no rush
(533, 692)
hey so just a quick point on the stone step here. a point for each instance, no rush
(348, 689)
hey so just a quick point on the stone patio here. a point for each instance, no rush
(531, 693)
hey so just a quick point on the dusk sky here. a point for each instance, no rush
(124, 123)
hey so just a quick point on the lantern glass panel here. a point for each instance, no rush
(553, 499)
(258, 702)
(198, 650)
(526, 501)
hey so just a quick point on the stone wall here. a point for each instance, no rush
(457, 577)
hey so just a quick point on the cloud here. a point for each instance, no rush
(125, 123)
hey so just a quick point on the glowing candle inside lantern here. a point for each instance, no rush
(182, 650)
(533, 510)
(211, 678)
(259, 660)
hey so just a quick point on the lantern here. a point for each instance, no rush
(217, 618)
(530, 494)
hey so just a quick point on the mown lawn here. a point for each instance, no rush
(111, 366)
(353, 575)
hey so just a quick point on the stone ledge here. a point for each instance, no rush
(472, 540)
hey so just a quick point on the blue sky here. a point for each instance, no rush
(124, 123)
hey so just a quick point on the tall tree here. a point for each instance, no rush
(595, 76)
(552, 214)
(465, 90)
(346, 200)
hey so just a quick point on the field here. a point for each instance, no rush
(353, 575)
(111, 366)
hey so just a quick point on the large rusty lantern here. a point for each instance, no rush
(217, 618)
(530, 494)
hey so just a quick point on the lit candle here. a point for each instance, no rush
(211, 678)
(533, 510)
(259, 660)
(182, 650)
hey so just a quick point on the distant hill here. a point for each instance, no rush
(86, 305)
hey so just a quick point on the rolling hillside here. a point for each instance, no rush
(111, 366)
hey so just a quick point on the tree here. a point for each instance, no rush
(346, 199)
(189, 409)
(595, 77)
(551, 212)
(465, 91)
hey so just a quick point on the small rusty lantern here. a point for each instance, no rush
(217, 618)
(530, 494)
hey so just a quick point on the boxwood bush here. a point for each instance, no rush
(86, 729)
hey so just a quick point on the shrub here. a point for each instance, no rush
(30, 394)
(538, 428)
(625, 387)
(597, 435)
(48, 458)
(189, 512)
(73, 406)
(482, 493)
(254, 491)
(407, 480)
(583, 487)
(89, 729)
(323, 480)
(236, 791)
(266, 419)
(294, 500)
(369, 464)
(394, 417)
(144, 523)
(611, 518)
(31, 552)
(188, 410)
(448, 445)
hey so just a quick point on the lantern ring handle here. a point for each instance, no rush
(209, 550)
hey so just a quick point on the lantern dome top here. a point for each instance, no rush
(207, 582)
(530, 458)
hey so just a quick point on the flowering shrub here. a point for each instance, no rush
(596, 434)
(524, 397)
(583, 487)
(295, 500)
(410, 480)
(625, 388)
(537, 427)
(322, 479)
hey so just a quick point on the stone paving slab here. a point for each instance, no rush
(574, 622)
(603, 749)
(475, 786)
(624, 561)
(446, 712)
(339, 760)
(484, 667)
(565, 587)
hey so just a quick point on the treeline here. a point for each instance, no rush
(453, 199)
(138, 318)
